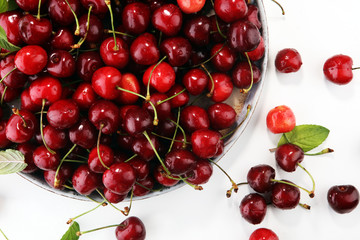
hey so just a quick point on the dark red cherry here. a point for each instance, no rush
(144, 186)
(155, 4)
(104, 82)
(83, 134)
(119, 178)
(96, 28)
(45, 160)
(167, 19)
(230, 10)
(137, 120)
(259, 178)
(87, 63)
(107, 158)
(224, 59)
(141, 167)
(136, 17)
(161, 177)
(27, 149)
(206, 143)
(124, 142)
(55, 138)
(180, 161)
(179, 141)
(98, 6)
(253, 15)
(63, 114)
(34, 31)
(144, 49)
(131, 228)
(253, 208)
(26, 103)
(241, 75)
(85, 181)
(31, 59)
(142, 147)
(122, 112)
(63, 39)
(9, 21)
(195, 81)
(194, 118)
(263, 234)
(105, 116)
(60, 12)
(9, 94)
(243, 36)
(61, 64)
(84, 96)
(177, 50)
(201, 174)
(181, 99)
(198, 56)
(163, 110)
(343, 198)
(30, 5)
(21, 126)
(197, 30)
(221, 116)
(338, 69)
(129, 82)
(258, 52)
(15, 79)
(162, 77)
(288, 156)
(215, 36)
(223, 87)
(113, 197)
(4, 142)
(115, 57)
(62, 175)
(288, 60)
(285, 196)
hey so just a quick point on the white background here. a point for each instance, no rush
(318, 29)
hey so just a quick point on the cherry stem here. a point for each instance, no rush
(248, 108)
(72, 219)
(282, 9)
(311, 194)
(82, 40)
(196, 187)
(207, 60)
(355, 68)
(79, 156)
(56, 180)
(292, 184)
(303, 205)
(234, 185)
(149, 189)
(156, 120)
(98, 147)
(93, 200)
(42, 127)
(211, 80)
(75, 161)
(252, 75)
(242, 183)
(148, 84)
(120, 33)
(68, 187)
(196, 99)
(108, 4)
(122, 211)
(6, 75)
(169, 98)
(77, 30)
(182, 130)
(3, 95)
(156, 153)
(176, 129)
(39, 8)
(324, 151)
(218, 28)
(167, 138)
(160, 38)
(3, 234)
(16, 112)
(96, 229)
(131, 158)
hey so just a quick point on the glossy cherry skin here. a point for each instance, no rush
(113, 197)
(253, 208)
(17, 130)
(201, 173)
(84, 96)
(195, 81)
(343, 198)
(63, 39)
(29, 5)
(263, 234)
(144, 49)
(104, 82)
(26, 103)
(87, 63)
(27, 149)
(96, 28)
(4, 142)
(288, 156)
(141, 167)
(224, 59)
(167, 19)
(55, 138)
(161, 177)
(98, 7)
(105, 116)
(131, 228)
(194, 118)
(177, 50)
(162, 77)
(85, 181)
(83, 134)
(60, 12)
(338, 69)
(280, 119)
(206, 143)
(34, 31)
(197, 30)
(31, 59)
(137, 120)
(129, 82)
(181, 99)
(215, 36)
(15, 79)
(243, 36)
(241, 75)
(223, 87)
(63, 114)
(123, 110)
(221, 116)
(180, 161)
(258, 52)
(9, 94)
(118, 58)
(107, 157)
(65, 172)
(45, 160)
(119, 178)
(284, 196)
(259, 178)
(9, 21)
(288, 60)
(148, 184)
(136, 17)
(163, 110)
(61, 64)
(142, 147)
(230, 10)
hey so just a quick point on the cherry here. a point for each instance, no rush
(31, 59)
(45, 160)
(107, 158)
(29, 5)
(122, 112)
(87, 63)
(129, 82)
(221, 116)
(177, 50)
(285, 196)
(217, 36)
(55, 138)
(221, 88)
(61, 64)
(180, 140)
(191, 6)
(280, 119)
(162, 77)
(143, 187)
(180, 161)
(338, 69)
(201, 173)
(253, 15)
(161, 177)
(155, 4)
(243, 36)
(258, 52)
(105, 116)
(288, 60)
(288, 156)
(230, 10)
(84, 96)
(198, 56)
(253, 208)
(205, 143)
(343, 198)
(9, 94)
(9, 21)
(197, 30)
(34, 31)
(119, 178)
(104, 82)
(124, 142)
(85, 181)
(63, 39)
(4, 142)
(224, 57)
(259, 178)
(142, 147)
(62, 175)
(136, 17)
(45, 88)
(144, 49)
(60, 12)
(115, 55)
(27, 149)
(182, 97)
(96, 28)
(263, 234)
(137, 120)
(11, 77)
(113, 197)
(167, 19)
(83, 134)
(163, 107)
(194, 118)
(131, 228)
(166, 128)
(195, 81)
(141, 167)
(98, 6)
(241, 75)
(63, 114)
(21, 126)
(26, 103)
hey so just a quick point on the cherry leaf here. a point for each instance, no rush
(4, 5)
(4, 43)
(12, 5)
(11, 161)
(71, 232)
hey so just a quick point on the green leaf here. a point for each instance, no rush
(306, 136)
(3, 6)
(71, 232)
(282, 140)
(12, 5)
(11, 161)
(4, 43)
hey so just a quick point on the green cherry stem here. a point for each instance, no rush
(324, 151)
(119, 33)
(294, 185)
(16, 112)
(3, 234)
(39, 9)
(234, 185)
(42, 127)
(176, 129)
(183, 132)
(196, 187)
(147, 98)
(252, 75)
(108, 4)
(93, 209)
(211, 80)
(311, 194)
(98, 147)
(131, 158)
(167, 138)
(208, 60)
(75, 161)
(82, 40)
(56, 180)
(248, 108)
(169, 98)
(79, 233)
(242, 183)
(77, 30)
(6, 75)
(282, 9)
(3, 95)
(122, 211)
(218, 28)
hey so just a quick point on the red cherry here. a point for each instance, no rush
(65, 172)
(83, 134)
(116, 57)
(119, 178)
(162, 77)
(195, 81)
(113, 197)
(4, 142)
(280, 119)
(285, 196)
(85, 181)
(27, 149)
(167, 19)
(180, 161)
(259, 178)
(142, 147)
(223, 87)
(241, 75)
(141, 167)
(177, 49)
(45, 160)
(61, 64)
(343, 198)
(31, 59)
(63, 114)
(288, 60)
(84, 96)
(63, 39)
(181, 99)
(104, 82)
(145, 188)
(9, 94)
(191, 6)
(105, 116)
(15, 79)
(21, 126)
(129, 82)
(26, 103)
(163, 110)
(194, 118)
(263, 234)
(137, 120)
(131, 228)
(224, 60)
(243, 36)
(253, 15)
(161, 177)
(144, 49)
(205, 143)
(338, 69)
(35, 31)
(60, 12)
(98, 7)
(136, 17)
(197, 30)
(107, 157)
(87, 63)
(96, 28)
(258, 52)
(288, 156)
(230, 10)
(215, 34)
(55, 138)
(253, 208)
(221, 116)
(201, 174)
(9, 21)
(29, 5)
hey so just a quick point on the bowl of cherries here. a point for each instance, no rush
(127, 99)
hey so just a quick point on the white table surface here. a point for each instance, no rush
(318, 29)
